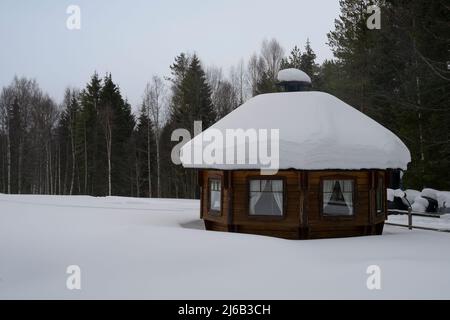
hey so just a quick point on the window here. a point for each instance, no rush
(215, 195)
(266, 197)
(379, 195)
(338, 197)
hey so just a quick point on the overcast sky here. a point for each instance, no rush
(136, 39)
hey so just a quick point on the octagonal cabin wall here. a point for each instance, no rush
(365, 215)
(286, 226)
(303, 217)
(220, 220)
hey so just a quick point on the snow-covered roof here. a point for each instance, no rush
(317, 131)
(289, 75)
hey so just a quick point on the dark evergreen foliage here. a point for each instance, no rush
(92, 144)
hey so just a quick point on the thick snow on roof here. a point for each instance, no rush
(316, 131)
(288, 75)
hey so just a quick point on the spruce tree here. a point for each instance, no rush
(88, 135)
(191, 101)
(67, 133)
(116, 123)
(294, 60)
(194, 98)
(266, 84)
(398, 76)
(144, 129)
(308, 61)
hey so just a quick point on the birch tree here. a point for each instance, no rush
(6, 100)
(155, 103)
(238, 81)
(272, 54)
(255, 71)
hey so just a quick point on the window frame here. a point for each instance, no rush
(379, 177)
(211, 211)
(324, 215)
(265, 216)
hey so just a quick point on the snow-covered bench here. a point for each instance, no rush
(427, 201)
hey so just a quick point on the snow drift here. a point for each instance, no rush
(131, 248)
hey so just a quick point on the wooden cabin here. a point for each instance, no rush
(334, 167)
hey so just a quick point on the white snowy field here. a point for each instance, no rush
(442, 223)
(157, 249)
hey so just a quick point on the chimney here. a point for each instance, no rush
(293, 80)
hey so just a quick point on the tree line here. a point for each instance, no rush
(92, 143)
(400, 76)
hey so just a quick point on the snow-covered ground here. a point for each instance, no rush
(157, 249)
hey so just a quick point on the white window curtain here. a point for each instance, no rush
(215, 200)
(347, 188)
(256, 188)
(266, 197)
(328, 186)
(342, 191)
(215, 195)
(277, 189)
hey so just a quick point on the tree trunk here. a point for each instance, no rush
(136, 163)
(108, 136)
(50, 166)
(19, 168)
(420, 127)
(419, 103)
(8, 160)
(66, 170)
(46, 184)
(85, 161)
(73, 164)
(148, 158)
(158, 171)
(109, 168)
